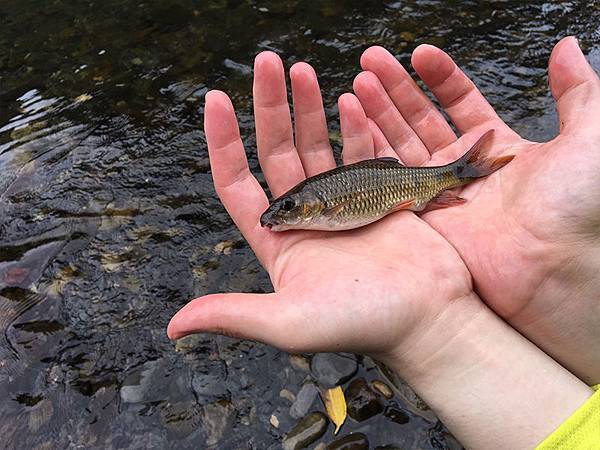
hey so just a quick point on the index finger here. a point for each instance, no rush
(239, 191)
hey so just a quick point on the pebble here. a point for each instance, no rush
(274, 420)
(361, 401)
(396, 415)
(304, 400)
(382, 388)
(306, 431)
(354, 441)
(300, 362)
(217, 418)
(333, 369)
(407, 36)
(288, 395)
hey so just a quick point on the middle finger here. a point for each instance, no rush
(274, 136)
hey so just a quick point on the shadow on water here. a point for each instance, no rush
(109, 222)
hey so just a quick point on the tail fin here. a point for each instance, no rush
(476, 163)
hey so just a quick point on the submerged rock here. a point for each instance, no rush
(354, 441)
(382, 388)
(217, 418)
(300, 362)
(333, 369)
(306, 431)
(139, 386)
(361, 401)
(304, 400)
(396, 415)
(288, 395)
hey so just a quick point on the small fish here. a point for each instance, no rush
(358, 194)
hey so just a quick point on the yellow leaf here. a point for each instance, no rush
(335, 404)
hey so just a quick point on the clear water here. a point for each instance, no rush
(109, 221)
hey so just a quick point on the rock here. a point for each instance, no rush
(396, 415)
(361, 401)
(382, 388)
(389, 447)
(40, 415)
(217, 418)
(333, 369)
(304, 400)
(139, 387)
(288, 395)
(209, 385)
(407, 36)
(274, 420)
(354, 441)
(181, 418)
(300, 362)
(306, 431)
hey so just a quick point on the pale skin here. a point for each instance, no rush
(396, 290)
(529, 235)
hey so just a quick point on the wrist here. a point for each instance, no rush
(563, 315)
(470, 366)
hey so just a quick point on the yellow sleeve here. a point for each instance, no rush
(581, 431)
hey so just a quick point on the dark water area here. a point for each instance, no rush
(109, 222)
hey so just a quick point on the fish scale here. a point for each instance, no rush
(375, 187)
(358, 194)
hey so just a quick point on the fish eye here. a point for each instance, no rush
(287, 204)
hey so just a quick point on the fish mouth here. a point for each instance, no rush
(267, 220)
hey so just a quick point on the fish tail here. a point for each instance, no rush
(477, 162)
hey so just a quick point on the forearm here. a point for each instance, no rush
(490, 386)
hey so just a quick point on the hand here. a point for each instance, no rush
(395, 290)
(366, 291)
(529, 233)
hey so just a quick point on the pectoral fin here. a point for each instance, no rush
(407, 204)
(445, 200)
(335, 210)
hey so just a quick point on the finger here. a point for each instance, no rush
(457, 94)
(418, 111)
(265, 318)
(248, 316)
(274, 137)
(237, 188)
(575, 87)
(379, 107)
(312, 138)
(381, 146)
(358, 143)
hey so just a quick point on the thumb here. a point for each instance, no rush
(258, 317)
(574, 85)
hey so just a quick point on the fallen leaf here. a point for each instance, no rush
(335, 404)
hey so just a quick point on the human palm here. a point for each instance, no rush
(528, 233)
(365, 290)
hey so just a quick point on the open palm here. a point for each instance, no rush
(528, 233)
(365, 290)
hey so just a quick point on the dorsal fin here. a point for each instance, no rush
(389, 159)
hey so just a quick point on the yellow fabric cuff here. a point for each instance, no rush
(580, 431)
